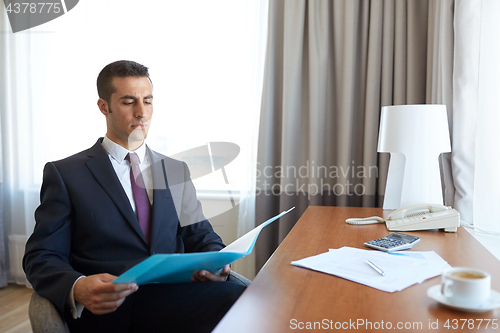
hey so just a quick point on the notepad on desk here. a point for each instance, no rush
(179, 267)
(401, 269)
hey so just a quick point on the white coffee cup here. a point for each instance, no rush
(466, 285)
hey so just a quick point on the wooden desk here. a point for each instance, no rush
(282, 293)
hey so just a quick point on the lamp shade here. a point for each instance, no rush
(415, 135)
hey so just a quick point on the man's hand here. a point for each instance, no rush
(99, 295)
(204, 275)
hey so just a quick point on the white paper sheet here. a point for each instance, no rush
(401, 271)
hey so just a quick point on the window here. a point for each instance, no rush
(201, 61)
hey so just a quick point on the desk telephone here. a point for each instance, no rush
(417, 217)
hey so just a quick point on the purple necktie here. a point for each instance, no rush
(142, 204)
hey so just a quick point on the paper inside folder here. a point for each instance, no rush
(245, 243)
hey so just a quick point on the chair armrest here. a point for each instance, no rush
(44, 317)
(240, 279)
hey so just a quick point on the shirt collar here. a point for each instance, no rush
(118, 153)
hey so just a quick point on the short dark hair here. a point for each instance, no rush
(121, 68)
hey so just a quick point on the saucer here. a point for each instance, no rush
(491, 303)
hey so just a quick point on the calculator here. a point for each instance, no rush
(394, 242)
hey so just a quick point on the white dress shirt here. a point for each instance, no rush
(117, 155)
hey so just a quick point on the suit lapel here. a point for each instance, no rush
(102, 169)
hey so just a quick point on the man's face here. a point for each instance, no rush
(129, 111)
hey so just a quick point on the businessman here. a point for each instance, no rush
(111, 206)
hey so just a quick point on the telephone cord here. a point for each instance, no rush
(367, 220)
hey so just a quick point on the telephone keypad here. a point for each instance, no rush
(393, 242)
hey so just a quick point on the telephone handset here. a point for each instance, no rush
(424, 217)
(417, 217)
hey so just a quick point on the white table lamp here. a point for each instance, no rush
(415, 135)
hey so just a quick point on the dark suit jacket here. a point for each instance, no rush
(85, 224)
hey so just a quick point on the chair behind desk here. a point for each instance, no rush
(45, 318)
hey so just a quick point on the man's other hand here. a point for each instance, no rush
(204, 275)
(99, 295)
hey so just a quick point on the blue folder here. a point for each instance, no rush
(179, 267)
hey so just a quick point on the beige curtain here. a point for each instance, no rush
(330, 67)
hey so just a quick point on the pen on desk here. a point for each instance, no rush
(372, 265)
